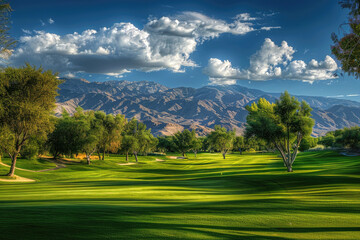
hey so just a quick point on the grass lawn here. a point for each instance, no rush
(247, 196)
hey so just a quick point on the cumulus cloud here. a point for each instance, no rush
(272, 62)
(163, 43)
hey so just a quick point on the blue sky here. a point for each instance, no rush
(187, 43)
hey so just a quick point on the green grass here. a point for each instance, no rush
(32, 164)
(243, 197)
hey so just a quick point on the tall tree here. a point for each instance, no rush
(347, 48)
(221, 139)
(27, 96)
(284, 124)
(6, 42)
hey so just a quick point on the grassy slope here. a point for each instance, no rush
(249, 196)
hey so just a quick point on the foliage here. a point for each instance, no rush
(111, 133)
(349, 138)
(137, 139)
(239, 144)
(221, 139)
(6, 42)
(307, 143)
(184, 141)
(347, 48)
(27, 98)
(283, 124)
(165, 144)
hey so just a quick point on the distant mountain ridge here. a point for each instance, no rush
(168, 110)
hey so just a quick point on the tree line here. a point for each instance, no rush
(28, 126)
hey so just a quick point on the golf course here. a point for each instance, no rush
(249, 196)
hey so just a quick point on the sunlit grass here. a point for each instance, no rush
(247, 196)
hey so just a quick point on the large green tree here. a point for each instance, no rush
(27, 97)
(221, 140)
(284, 124)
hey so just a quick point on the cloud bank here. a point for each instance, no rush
(271, 62)
(163, 43)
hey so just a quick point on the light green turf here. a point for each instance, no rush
(243, 197)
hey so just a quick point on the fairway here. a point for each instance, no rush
(248, 196)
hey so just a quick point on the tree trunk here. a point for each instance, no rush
(13, 164)
(183, 154)
(135, 154)
(195, 153)
(289, 168)
(88, 159)
(240, 150)
(103, 155)
(224, 154)
(98, 152)
(127, 156)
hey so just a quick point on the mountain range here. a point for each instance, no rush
(168, 110)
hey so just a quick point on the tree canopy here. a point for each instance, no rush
(6, 42)
(347, 48)
(27, 99)
(221, 139)
(284, 123)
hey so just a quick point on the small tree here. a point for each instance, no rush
(239, 143)
(196, 144)
(137, 139)
(27, 97)
(284, 124)
(184, 140)
(111, 132)
(221, 140)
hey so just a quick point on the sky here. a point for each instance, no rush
(268, 45)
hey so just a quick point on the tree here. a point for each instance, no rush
(307, 143)
(27, 97)
(184, 140)
(328, 140)
(137, 139)
(88, 133)
(165, 144)
(110, 137)
(284, 124)
(6, 42)
(347, 48)
(221, 139)
(196, 144)
(239, 143)
(350, 138)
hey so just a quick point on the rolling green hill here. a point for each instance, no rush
(243, 197)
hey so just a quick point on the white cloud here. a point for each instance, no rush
(270, 28)
(51, 21)
(69, 75)
(26, 31)
(164, 43)
(42, 23)
(272, 62)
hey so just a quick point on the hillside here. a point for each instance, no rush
(167, 110)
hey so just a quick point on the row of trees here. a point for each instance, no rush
(96, 132)
(342, 138)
